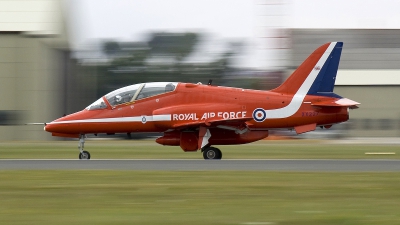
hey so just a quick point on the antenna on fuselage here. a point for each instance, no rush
(209, 82)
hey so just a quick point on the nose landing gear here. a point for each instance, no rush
(82, 154)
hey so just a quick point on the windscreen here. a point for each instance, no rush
(99, 104)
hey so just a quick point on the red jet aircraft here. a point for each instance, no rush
(196, 116)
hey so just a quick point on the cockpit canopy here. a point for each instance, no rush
(132, 93)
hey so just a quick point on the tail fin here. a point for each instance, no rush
(317, 74)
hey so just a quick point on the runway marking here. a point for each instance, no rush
(380, 153)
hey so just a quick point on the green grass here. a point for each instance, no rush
(201, 197)
(204, 197)
(119, 149)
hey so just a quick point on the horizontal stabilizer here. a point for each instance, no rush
(335, 103)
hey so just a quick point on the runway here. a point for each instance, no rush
(303, 165)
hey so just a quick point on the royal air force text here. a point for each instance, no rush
(207, 115)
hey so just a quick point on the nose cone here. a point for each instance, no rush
(61, 130)
(66, 125)
(52, 127)
(57, 126)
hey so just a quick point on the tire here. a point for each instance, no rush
(212, 153)
(84, 155)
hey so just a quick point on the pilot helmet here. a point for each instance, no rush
(118, 98)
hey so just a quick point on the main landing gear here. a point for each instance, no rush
(83, 154)
(211, 153)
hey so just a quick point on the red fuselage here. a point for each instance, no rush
(194, 103)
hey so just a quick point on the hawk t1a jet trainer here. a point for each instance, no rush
(197, 117)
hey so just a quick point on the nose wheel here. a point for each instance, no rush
(83, 154)
(212, 153)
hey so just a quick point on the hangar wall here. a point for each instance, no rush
(31, 16)
(31, 75)
(34, 63)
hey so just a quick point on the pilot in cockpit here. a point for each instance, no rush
(118, 98)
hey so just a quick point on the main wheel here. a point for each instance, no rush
(84, 155)
(212, 153)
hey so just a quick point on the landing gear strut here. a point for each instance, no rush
(82, 154)
(211, 153)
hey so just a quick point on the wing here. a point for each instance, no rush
(237, 122)
(238, 125)
(194, 135)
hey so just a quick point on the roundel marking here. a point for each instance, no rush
(259, 115)
(144, 119)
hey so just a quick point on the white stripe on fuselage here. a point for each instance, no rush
(298, 98)
(165, 117)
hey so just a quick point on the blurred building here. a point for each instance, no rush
(369, 73)
(34, 63)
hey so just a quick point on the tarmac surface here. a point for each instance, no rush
(302, 165)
